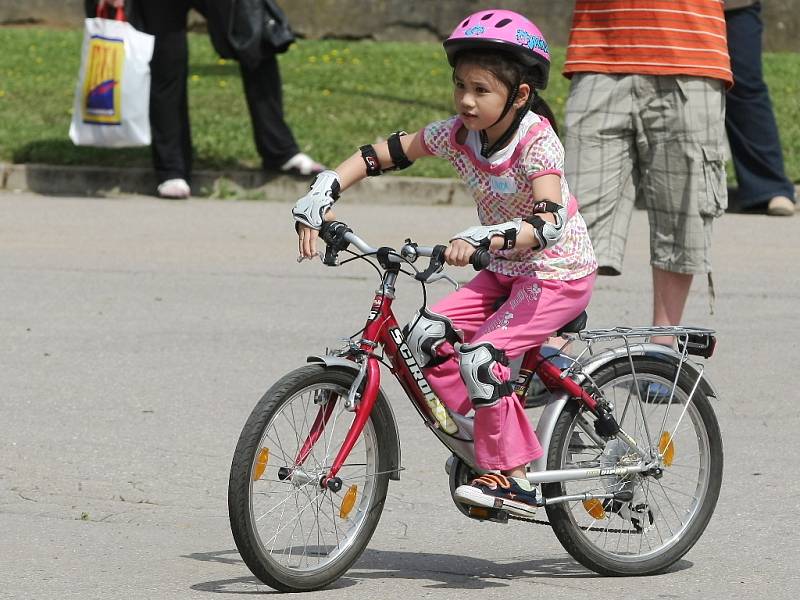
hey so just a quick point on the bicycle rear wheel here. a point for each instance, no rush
(292, 533)
(668, 511)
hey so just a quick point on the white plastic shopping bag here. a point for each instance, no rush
(112, 98)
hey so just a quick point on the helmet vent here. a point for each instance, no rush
(503, 23)
(487, 16)
(465, 23)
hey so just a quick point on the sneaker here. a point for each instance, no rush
(499, 492)
(780, 206)
(174, 189)
(303, 165)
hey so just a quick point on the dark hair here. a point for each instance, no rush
(510, 73)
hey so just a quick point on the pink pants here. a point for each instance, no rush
(534, 310)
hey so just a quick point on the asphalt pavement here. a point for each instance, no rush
(137, 334)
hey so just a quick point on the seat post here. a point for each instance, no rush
(530, 361)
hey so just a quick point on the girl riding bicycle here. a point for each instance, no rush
(503, 144)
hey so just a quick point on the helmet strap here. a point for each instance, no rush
(486, 150)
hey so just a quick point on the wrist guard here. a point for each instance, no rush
(311, 208)
(481, 235)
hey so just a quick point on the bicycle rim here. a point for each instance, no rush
(663, 509)
(301, 528)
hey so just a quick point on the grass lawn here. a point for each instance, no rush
(338, 95)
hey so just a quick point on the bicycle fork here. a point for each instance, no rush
(362, 409)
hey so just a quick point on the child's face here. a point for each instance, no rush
(479, 96)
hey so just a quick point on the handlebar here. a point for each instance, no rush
(338, 236)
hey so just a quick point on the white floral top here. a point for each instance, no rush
(503, 191)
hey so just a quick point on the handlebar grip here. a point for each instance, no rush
(480, 259)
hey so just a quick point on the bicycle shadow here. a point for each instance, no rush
(443, 571)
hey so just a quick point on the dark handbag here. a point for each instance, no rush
(277, 34)
(258, 28)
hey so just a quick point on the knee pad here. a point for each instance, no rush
(429, 332)
(477, 371)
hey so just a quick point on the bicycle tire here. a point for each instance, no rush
(655, 519)
(255, 483)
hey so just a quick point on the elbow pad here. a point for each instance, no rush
(545, 232)
(398, 155)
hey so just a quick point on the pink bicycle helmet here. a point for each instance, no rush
(503, 30)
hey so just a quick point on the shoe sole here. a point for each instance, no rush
(474, 497)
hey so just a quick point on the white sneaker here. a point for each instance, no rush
(302, 164)
(174, 189)
(780, 206)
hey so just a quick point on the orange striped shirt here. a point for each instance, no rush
(649, 37)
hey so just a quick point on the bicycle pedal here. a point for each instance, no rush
(494, 515)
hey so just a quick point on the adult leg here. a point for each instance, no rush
(679, 133)
(601, 162)
(670, 291)
(273, 137)
(169, 109)
(749, 118)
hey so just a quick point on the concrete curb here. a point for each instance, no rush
(59, 180)
(56, 180)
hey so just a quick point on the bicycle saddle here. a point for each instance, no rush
(575, 325)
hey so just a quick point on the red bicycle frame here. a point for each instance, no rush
(382, 329)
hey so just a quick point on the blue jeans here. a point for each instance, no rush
(750, 121)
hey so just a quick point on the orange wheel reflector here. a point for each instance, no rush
(261, 464)
(666, 448)
(595, 508)
(348, 502)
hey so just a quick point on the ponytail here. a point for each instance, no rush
(541, 108)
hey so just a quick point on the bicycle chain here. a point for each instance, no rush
(540, 522)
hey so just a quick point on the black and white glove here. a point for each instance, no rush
(311, 208)
(480, 236)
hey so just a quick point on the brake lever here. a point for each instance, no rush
(442, 275)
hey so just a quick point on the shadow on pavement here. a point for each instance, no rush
(444, 571)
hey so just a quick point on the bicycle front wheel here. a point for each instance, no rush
(665, 511)
(294, 534)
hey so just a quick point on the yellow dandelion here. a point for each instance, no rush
(39, 60)
(222, 61)
(2, 93)
(223, 83)
(326, 58)
(326, 92)
(340, 61)
(312, 59)
(195, 77)
(334, 52)
(355, 61)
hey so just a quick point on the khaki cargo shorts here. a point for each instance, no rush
(656, 141)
